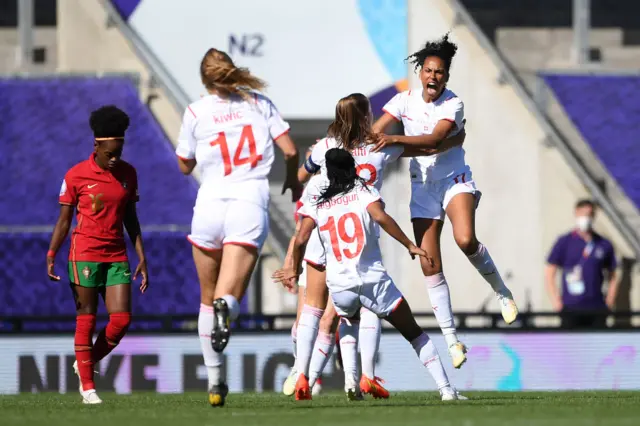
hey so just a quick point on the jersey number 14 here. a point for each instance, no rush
(341, 232)
(245, 137)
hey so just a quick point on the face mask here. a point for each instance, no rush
(584, 223)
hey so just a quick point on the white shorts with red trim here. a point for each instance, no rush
(227, 221)
(381, 298)
(429, 200)
(314, 254)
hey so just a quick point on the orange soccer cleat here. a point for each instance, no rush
(303, 392)
(373, 387)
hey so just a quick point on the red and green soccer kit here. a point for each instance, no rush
(98, 255)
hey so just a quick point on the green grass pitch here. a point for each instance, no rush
(485, 408)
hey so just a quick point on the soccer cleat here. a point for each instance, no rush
(352, 389)
(289, 385)
(457, 352)
(373, 387)
(317, 387)
(222, 326)
(302, 388)
(90, 397)
(509, 308)
(218, 394)
(451, 394)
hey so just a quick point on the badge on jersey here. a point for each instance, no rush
(63, 188)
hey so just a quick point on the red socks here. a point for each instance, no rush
(109, 338)
(85, 325)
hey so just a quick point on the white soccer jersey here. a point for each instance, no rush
(349, 236)
(232, 142)
(370, 165)
(419, 118)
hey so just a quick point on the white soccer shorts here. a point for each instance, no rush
(381, 298)
(429, 200)
(227, 221)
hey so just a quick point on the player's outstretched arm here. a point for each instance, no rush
(391, 227)
(290, 152)
(430, 141)
(132, 225)
(288, 275)
(60, 232)
(382, 124)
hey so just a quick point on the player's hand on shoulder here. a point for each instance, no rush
(141, 270)
(382, 141)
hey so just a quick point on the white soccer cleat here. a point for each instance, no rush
(458, 351)
(90, 397)
(289, 385)
(317, 388)
(352, 389)
(451, 394)
(509, 308)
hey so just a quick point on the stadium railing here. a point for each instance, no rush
(176, 324)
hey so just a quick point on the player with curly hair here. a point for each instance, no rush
(441, 184)
(103, 191)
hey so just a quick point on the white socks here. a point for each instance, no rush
(482, 261)
(441, 303)
(294, 340)
(212, 359)
(428, 354)
(321, 354)
(234, 306)
(369, 339)
(306, 337)
(349, 348)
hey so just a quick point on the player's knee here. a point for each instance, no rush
(118, 325)
(429, 269)
(467, 243)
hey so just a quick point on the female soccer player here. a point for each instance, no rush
(345, 214)
(103, 190)
(230, 134)
(441, 183)
(350, 130)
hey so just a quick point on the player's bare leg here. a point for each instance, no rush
(208, 267)
(427, 232)
(402, 319)
(86, 300)
(461, 212)
(315, 304)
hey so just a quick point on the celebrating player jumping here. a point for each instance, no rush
(230, 134)
(103, 190)
(350, 130)
(441, 183)
(345, 214)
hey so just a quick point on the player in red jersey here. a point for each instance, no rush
(103, 190)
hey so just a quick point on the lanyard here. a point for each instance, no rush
(588, 250)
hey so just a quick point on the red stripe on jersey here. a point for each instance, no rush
(194, 114)
(392, 116)
(281, 134)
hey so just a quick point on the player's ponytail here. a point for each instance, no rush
(342, 175)
(352, 124)
(219, 74)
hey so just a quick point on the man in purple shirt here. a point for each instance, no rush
(583, 257)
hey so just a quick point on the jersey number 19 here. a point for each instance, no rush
(245, 137)
(341, 232)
